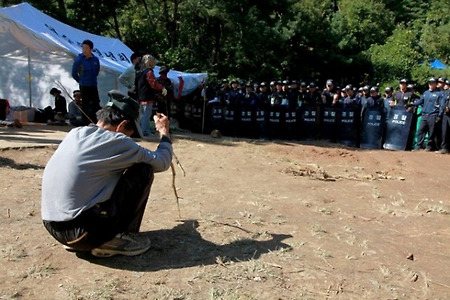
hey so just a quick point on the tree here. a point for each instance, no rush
(435, 37)
(359, 24)
(397, 57)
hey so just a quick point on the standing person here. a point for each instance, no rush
(445, 144)
(313, 98)
(433, 109)
(164, 102)
(147, 89)
(96, 185)
(403, 96)
(60, 103)
(128, 77)
(224, 91)
(441, 83)
(388, 98)
(330, 94)
(85, 70)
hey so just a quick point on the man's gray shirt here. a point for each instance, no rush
(86, 167)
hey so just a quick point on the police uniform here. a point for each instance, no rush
(433, 108)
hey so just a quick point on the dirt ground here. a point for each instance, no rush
(259, 220)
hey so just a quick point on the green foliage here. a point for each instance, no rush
(396, 57)
(360, 24)
(352, 40)
(435, 37)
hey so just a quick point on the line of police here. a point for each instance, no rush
(354, 117)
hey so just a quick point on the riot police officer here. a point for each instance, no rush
(432, 112)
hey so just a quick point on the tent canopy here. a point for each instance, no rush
(437, 64)
(37, 50)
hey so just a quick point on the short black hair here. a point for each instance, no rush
(112, 116)
(89, 43)
(134, 55)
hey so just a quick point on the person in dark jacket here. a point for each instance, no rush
(60, 109)
(433, 109)
(148, 87)
(85, 70)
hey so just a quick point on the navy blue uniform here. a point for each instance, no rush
(432, 111)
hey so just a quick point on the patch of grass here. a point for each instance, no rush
(41, 271)
(350, 257)
(438, 209)
(326, 211)
(348, 229)
(13, 252)
(376, 193)
(386, 209)
(385, 271)
(351, 240)
(228, 294)
(316, 229)
(320, 252)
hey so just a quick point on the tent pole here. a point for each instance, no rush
(29, 75)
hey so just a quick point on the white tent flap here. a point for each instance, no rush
(53, 46)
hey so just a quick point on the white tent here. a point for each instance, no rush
(37, 50)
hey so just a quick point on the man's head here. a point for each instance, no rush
(388, 90)
(87, 46)
(234, 84)
(432, 83)
(135, 58)
(330, 84)
(248, 87)
(403, 83)
(163, 70)
(441, 82)
(349, 90)
(55, 92)
(374, 91)
(263, 87)
(120, 114)
(148, 61)
(225, 83)
(77, 95)
(366, 90)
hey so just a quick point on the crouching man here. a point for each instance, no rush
(96, 185)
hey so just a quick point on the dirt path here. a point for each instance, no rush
(260, 220)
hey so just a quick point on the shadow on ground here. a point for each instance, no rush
(183, 246)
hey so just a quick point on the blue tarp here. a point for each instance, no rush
(437, 64)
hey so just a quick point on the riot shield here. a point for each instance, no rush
(276, 121)
(197, 116)
(329, 121)
(247, 122)
(308, 122)
(373, 126)
(290, 121)
(398, 128)
(230, 120)
(261, 119)
(216, 112)
(349, 125)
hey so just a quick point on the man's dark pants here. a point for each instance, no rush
(123, 212)
(90, 103)
(445, 132)
(428, 125)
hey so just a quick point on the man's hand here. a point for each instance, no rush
(162, 124)
(164, 92)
